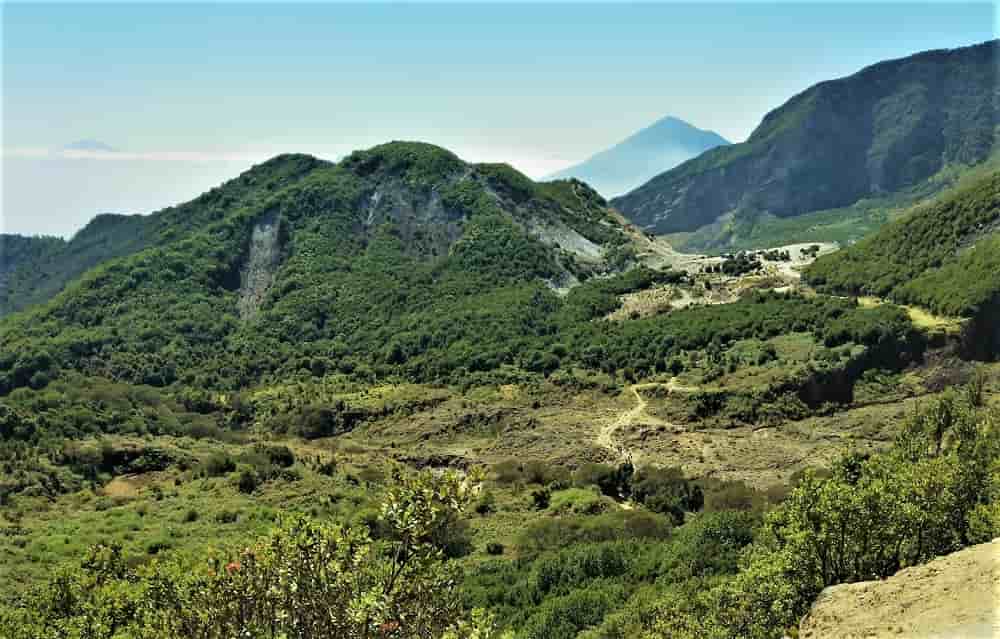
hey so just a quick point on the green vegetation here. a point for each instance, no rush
(611, 573)
(455, 299)
(362, 299)
(305, 579)
(730, 574)
(844, 225)
(907, 259)
(936, 289)
(33, 276)
(464, 341)
(943, 257)
(225, 469)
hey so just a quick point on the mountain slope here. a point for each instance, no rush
(945, 256)
(660, 146)
(884, 129)
(394, 253)
(17, 250)
(35, 276)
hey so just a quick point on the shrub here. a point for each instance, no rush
(364, 587)
(248, 481)
(548, 533)
(157, 546)
(563, 617)
(542, 473)
(580, 501)
(278, 455)
(541, 498)
(486, 503)
(667, 491)
(731, 495)
(612, 481)
(227, 516)
(508, 472)
(219, 464)
(327, 468)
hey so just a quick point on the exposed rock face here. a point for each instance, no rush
(953, 597)
(882, 129)
(262, 262)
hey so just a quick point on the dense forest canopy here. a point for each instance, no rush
(942, 256)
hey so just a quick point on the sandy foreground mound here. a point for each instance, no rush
(952, 597)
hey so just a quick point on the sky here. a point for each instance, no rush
(130, 107)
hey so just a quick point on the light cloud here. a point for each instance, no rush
(147, 156)
(534, 163)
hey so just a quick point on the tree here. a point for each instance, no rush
(927, 496)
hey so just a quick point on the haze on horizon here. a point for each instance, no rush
(133, 107)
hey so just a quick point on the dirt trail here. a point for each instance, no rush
(635, 415)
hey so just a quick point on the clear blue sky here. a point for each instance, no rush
(191, 93)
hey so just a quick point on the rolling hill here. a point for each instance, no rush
(660, 146)
(302, 263)
(888, 128)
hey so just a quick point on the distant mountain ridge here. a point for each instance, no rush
(881, 130)
(656, 148)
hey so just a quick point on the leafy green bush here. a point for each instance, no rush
(580, 501)
(547, 533)
(872, 516)
(541, 498)
(218, 465)
(304, 579)
(665, 490)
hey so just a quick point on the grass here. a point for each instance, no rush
(171, 511)
(921, 317)
(579, 501)
(176, 512)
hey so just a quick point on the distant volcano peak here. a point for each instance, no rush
(89, 145)
(658, 147)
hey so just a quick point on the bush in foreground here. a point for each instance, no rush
(306, 580)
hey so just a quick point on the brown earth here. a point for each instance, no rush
(952, 597)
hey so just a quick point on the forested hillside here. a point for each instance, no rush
(32, 277)
(403, 395)
(399, 239)
(16, 250)
(886, 128)
(944, 256)
(400, 264)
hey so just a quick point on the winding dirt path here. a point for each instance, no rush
(635, 415)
